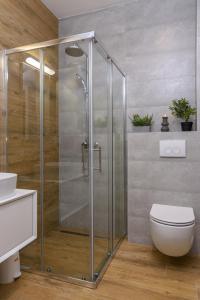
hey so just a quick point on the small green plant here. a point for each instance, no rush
(138, 120)
(182, 109)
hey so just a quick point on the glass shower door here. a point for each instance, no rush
(66, 198)
(102, 141)
(119, 220)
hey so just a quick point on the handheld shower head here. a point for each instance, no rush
(82, 82)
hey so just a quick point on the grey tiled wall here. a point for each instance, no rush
(151, 179)
(198, 64)
(154, 42)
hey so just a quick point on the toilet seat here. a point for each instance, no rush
(172, 215)
(173, 224)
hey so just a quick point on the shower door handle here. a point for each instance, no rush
(97, 148)
(84, 151)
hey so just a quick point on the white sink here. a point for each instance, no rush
(8, 182)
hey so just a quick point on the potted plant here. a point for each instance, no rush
(142, 123)
(183, 110)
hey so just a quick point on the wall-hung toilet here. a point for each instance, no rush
(172, 229)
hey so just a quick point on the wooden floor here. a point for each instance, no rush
(137, 272)
(66, 254)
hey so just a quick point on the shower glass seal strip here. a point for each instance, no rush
(91, 36)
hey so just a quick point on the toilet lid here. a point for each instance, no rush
(172, 214)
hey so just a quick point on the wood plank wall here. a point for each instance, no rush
(25, 22)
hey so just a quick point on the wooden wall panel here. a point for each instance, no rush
(25, 22)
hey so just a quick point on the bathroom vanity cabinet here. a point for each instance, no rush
(18, 222)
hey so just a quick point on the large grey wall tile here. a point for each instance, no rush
(138, 230)
(160, 92)
(145, 198)
(145, 147)
(198, 64)
(161, 65)
(145, 14)
(161, 38)
(165, 175)
(154, 42)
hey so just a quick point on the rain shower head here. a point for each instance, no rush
(74, 50)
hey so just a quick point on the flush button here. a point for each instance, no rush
(168, 150)
(176, 150)
(172, 148)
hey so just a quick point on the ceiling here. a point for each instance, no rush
(67, 8)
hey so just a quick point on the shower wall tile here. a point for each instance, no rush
(167, 37)
(156, 49)
(159, 92)
(72, 123)
(143, 13)
(161, 65)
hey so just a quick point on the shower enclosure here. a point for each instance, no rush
(64, 135)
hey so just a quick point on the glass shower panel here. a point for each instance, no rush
(65, 139)
(66, 198)
(119, 226)
(101, 141)
(23, 134)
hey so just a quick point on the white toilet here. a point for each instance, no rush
(172, 229)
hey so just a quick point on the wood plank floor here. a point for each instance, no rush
(137, 272)
(66, 253)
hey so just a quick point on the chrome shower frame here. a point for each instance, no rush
(93, 41)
